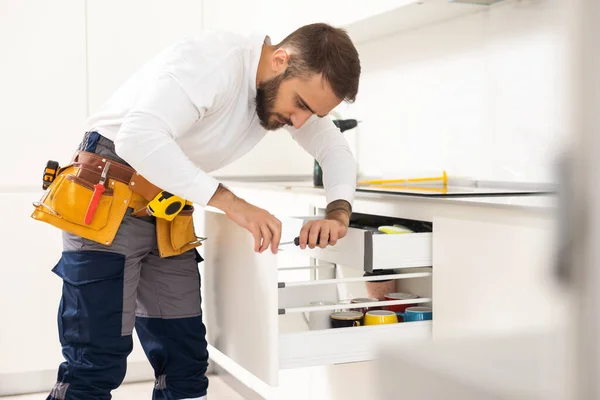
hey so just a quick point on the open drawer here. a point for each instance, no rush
(255, 320)
(343, 345)
(300, 347)
(366, 248)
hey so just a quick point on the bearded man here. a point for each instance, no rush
(194, 108)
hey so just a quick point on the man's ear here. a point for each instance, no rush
(279, 60)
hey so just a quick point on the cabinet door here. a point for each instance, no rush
(493, 275)
(43, 95)
(280, 18)
(30, 293)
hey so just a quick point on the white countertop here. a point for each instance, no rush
(543, 203)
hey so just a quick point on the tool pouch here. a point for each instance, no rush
(65, 203)
(173, 237)
(177, 236)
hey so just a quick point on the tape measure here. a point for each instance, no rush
(165, 205)
(50, 173)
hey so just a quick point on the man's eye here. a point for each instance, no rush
(300, 105)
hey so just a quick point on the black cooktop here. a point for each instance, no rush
(452, 191)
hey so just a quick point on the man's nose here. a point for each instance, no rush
(299, 118)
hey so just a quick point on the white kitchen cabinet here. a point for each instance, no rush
(254, 314)
(364, 21)
(43, 96)
(30, 293)
(489, 271)
(527, 366)
(501, 274)
(279, 18)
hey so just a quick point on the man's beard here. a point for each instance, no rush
(266, 94)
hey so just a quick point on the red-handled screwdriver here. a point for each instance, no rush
(95, 200)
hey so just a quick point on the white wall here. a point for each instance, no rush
(481, 96)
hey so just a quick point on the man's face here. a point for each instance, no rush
(292, 101)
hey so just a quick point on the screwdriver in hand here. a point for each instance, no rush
(296, 241)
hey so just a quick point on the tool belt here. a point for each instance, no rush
(67, 200)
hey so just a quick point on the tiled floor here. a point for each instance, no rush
(143, 391)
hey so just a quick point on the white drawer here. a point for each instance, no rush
(368, 250)
(299, 347)
(255, 321)
(343, 345)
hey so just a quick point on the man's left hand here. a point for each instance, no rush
(321, 233)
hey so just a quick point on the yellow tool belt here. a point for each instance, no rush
(66, 204)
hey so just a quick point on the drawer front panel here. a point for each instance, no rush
(367, 251)
(333, 346)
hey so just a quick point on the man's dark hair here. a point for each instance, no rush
(322, 49)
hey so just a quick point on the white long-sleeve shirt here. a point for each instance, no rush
(191, 110)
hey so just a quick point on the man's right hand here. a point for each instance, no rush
(264, 227)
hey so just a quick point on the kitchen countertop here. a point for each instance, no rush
(541, 202)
